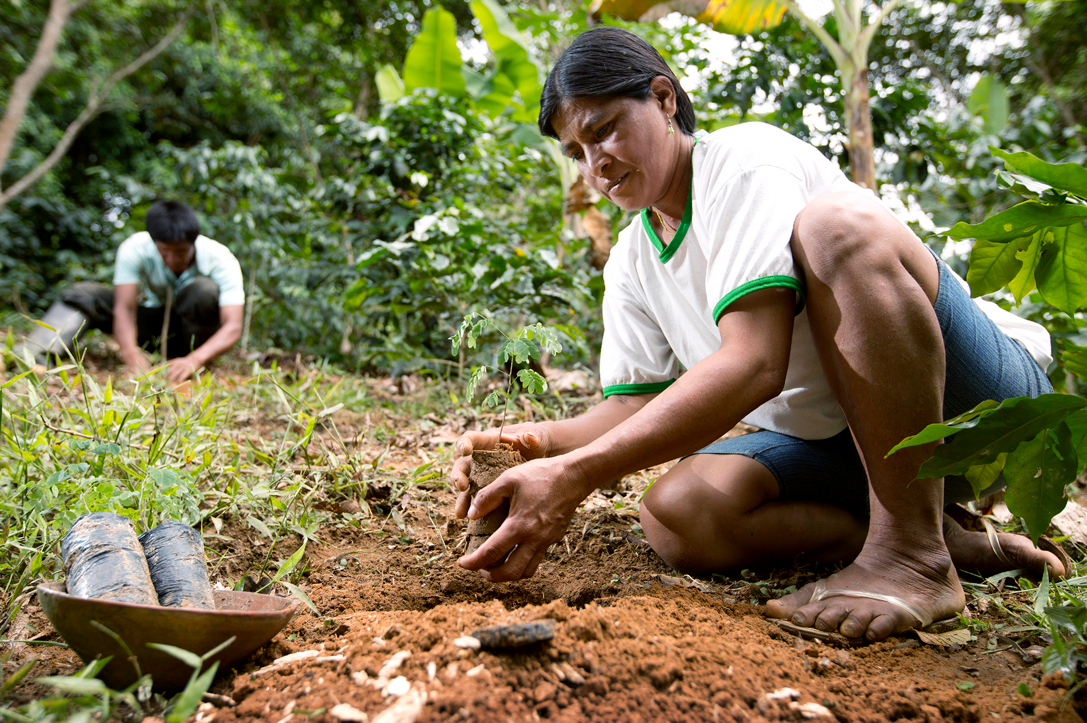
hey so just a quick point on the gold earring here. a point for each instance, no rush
(670, 128)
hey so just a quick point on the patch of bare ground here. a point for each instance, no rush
(634, 641)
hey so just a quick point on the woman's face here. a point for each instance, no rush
(621, 146)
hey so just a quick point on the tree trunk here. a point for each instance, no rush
(862, 165)
(28, 80)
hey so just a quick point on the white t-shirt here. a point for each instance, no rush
(139, 262)
(662, 304)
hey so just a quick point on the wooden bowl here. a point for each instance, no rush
(250, 618)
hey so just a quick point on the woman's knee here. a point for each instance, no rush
(837, 229)
(696, 524)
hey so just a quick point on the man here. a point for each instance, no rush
(173, 290)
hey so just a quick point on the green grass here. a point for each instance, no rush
(264, 452)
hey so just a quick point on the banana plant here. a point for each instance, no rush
(849, 50)
(511, 85)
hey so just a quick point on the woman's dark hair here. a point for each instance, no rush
(604, 63)
(172, 221)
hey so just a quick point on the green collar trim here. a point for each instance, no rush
(667, 252)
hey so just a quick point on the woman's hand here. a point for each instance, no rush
(544, 494)
(531, 440)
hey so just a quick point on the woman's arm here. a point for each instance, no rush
(747, 370)
(543, 439)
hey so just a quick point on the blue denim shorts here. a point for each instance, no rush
(981, 363)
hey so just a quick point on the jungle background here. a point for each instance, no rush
(376, 169)
(268, 119)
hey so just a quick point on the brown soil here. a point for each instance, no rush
(633, 641)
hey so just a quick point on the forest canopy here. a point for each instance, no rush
(373, 206)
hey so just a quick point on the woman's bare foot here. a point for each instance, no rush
(927, 583)
(973, 551)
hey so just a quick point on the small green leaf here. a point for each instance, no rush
(965, 685)
(188, 658)
(531, 381)
(77, 686)
(186, 702)
(1037, 472)
(301, 595)
(1024, 690)
(288, 566)
(982, 476)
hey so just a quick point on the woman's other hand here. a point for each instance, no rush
(543, 495)
(531, 440)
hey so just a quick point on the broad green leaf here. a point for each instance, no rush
(1021, 220)
(1070, 618)
(1065, 176)
(510, 49)
(993, 265)
(933, 432)
(1024, 282)
(1016, 420)
(390, 86)
(981, 476)
(493, 94)
(1037, 472)
(1062, 270)
(434, 59)
(989, 100)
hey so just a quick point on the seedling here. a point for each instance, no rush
(524, 345)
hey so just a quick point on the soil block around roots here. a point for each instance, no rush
(487, 466)
(178, 566)
(103, 558)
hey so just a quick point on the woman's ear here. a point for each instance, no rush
(664, 93)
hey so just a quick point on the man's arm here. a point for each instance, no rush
(125, 297)
(746, 371)
(230, 330)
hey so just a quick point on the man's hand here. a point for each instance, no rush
(181, 368)
(137, 362)
(543, 494)
(531, 440)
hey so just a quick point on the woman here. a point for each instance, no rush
(796, 303)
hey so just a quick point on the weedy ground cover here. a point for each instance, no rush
(272, 449)
(283, 456)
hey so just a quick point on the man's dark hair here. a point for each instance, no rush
(172, 222)
(607, 62)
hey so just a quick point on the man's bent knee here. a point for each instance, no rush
(198, 302)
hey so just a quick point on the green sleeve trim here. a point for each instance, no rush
(651, 388)
(766, 282)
